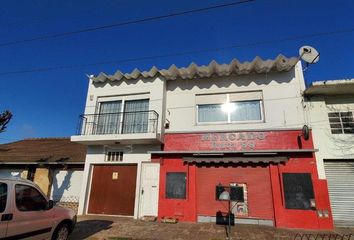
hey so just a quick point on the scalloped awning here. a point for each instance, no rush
(273, 159)
(213, 69)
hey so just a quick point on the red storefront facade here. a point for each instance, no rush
(266, 165)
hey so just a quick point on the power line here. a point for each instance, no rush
(115, 25)
(265, 42)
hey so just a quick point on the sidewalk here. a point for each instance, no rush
(114, 228)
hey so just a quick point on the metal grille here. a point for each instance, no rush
(340, 176)
(60, 198)
(323, 236)
(341, 122)
(118, 123)
(114, 156)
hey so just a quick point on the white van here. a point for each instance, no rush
(26, 213)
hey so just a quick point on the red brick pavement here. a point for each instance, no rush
(119, 228)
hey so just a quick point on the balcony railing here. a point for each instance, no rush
(118, 123)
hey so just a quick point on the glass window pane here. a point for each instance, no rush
(347, 119)
(334, 120)
(336, 131)
(298, 190)
(333, 114)
(176, 185)
(336, 125)
(29, 198)
(348, 124)
(341, 122)
(136, 116)
(109, 118)
(346, 114)
(211, 113)
(3, 196)
(246, 111)
(349, 130)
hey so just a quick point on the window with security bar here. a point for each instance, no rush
(341, 122)
(114, 156)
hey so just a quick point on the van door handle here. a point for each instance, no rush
(7, 217)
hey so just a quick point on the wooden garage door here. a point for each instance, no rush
(113, 190)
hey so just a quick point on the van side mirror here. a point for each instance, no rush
(50, 204)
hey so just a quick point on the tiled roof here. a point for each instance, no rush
(331, 87)
(43, 150)
(214, 69)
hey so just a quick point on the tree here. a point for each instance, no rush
(5, 118)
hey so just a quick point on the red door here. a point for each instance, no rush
(113, 190)
(256, 180)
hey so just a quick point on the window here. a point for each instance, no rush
(114, 156)
(341, 122)
(3, 196)
(230, 107)
(246, 111)
(29, 198)
(298, 191)
(176, 185)
(123, 116)
(211, 113)
(109, 117)
(136, 116)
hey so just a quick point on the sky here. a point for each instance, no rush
(48, 103)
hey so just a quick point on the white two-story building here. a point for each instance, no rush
(165, 143)
(331, 115)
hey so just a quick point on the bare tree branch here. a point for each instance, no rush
(5, 118)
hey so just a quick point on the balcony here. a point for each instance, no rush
(140, 127)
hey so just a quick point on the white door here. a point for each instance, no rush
(149, 193)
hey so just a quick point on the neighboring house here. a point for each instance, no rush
(54, 164)
(331, 115)
(160, 142)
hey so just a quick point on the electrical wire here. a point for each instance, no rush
(120, 24)
(265, 42)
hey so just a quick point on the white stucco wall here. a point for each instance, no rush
(282, 100)
(135, 154)
(331, 146)
(66, 186)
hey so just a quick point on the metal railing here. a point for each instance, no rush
(323, 236)
(118, 123)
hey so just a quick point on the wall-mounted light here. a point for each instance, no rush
(224, 196)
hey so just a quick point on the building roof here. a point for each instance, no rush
(43, 150)
(214, 69)
(331, 87)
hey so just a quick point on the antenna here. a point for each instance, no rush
(309, 55)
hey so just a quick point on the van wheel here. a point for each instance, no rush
(61, 232)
